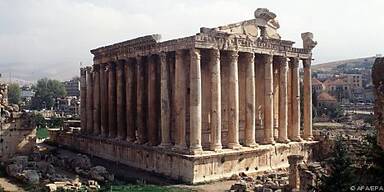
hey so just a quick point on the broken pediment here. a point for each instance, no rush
(263, 26)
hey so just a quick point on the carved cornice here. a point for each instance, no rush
(243, 43)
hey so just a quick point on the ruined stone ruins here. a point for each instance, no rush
(199, 108)
(17, 129)
(378, 81)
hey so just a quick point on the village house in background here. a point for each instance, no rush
(72, 87)
(198, 108)
(348, 81)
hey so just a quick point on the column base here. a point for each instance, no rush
(234, 146)
(130, 140)
(308, 138)
(297, 139)
(216, 147)
(269, 142)
(141, 142)
(180, 147)
(152, 144)
(112, 136)
(251, 144)
(283, 140)
(165, 145)
(196, 150)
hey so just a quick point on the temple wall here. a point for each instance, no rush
(188, 168)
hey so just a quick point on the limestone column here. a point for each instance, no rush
(268, 101)
(195, 102)
(165, 104)
(112, 118)
(215, 100)
(96, 100)
(276, 80)
(295, 100)
(180, 99)
(83, 99)
(120, 101)
(152, 101)
(294, 177)
(233, 100)
(251, 99)
(283, 101)
(307, 100)
(130, 102)
(289, 97)
(103, 101)
(89, 100)
(140, 111)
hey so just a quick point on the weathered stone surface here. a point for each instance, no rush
(14, 169)
(30, 176)
(100, 173)
(239, 187)
(378, 81)
(80, 161)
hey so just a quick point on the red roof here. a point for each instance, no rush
(335, 82)
(324, 96)
(316, 82)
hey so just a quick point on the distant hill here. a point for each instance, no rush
(16, 80)
(345, 65)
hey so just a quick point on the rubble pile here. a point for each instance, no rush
(279, 181)
(74, 185)
(50, 169)
(309, 175)
(268, 182)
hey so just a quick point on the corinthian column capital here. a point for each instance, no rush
(294, 62)
(307, 63)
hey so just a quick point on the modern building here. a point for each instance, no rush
(317, 85)
(72, 87)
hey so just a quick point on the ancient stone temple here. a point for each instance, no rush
(199, 108)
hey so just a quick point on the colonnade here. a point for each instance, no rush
(157, 99)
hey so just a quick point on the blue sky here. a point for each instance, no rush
(51, 37)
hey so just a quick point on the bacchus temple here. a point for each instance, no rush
(199, 108)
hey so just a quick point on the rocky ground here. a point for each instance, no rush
(55, 170)
(277, 181)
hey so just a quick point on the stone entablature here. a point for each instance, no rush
(150, 45)
(226, 88)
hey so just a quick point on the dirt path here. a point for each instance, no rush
(9, 186)
(219, 186)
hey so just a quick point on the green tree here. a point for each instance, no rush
(39, 120)
(341, 176)
(46, 92)
(371, 157)
(14, 93)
